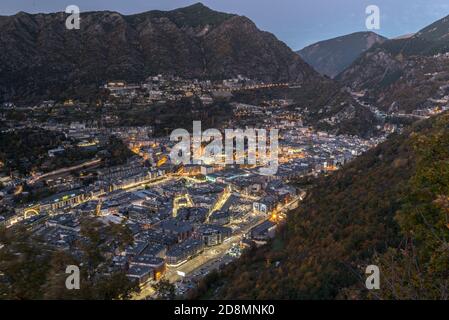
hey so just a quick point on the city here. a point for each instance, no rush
(258, 155)
(186, 220)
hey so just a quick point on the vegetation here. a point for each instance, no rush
(318, 100)
(174, 114)
(32, 270)
(419, 268)
(117, 151)
(25, 149)
(197, 15)
(165, 290)
(389, 208)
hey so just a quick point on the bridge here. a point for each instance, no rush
(31, 211)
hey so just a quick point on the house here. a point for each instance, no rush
(265, 205)
(183, 251)
(212, 235)
(264, 231)
(182, 230)
(141, 274)
(220, 217)
(155, 263)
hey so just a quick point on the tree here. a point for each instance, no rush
(118, 151)
(165, 290)
(32, 270)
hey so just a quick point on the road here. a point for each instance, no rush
(83, 165)
(208, 260)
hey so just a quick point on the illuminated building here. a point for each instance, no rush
(220, 217)
(156, 264)
(263, 231)
(182, 230)
(141, 274)
(212, 235)
(183, 251)
(62, 200)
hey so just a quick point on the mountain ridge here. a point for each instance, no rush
(42, 58)
(403, 74)
(330, 57)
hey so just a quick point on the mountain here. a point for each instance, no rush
(387, 208)
(429, 41)
(43, 60)
(404, 74)
(436, 35)
(330, 57)
(40, 58)
(321, 103)
(404, 36)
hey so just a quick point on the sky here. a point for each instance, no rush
(296, 22)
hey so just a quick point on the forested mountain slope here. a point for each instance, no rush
(388, 208)
(330, 57)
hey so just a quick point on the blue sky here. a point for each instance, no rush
(296, 22)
